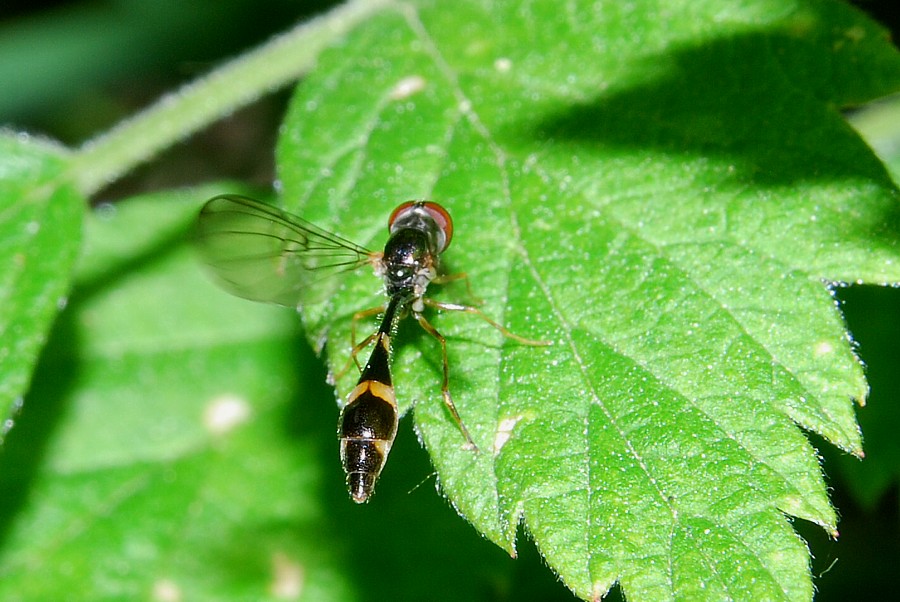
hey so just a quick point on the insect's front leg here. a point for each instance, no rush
(445, 278)
(468, 309)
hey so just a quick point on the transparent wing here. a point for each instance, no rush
(261, 253)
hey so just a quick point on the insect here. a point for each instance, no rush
(262, 253)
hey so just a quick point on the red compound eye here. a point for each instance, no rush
(434, 211)
(401, 209)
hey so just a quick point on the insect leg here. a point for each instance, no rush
(468, 309)
(356, 348)
(445, 278)
(372, 311)
(445, 385)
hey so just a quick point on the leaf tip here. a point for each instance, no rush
(599, 590)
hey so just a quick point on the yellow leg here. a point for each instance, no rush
(445, 385)
(356, 348)
(477, 312)
(445, 278)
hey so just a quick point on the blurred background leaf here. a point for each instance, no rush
(40, 233)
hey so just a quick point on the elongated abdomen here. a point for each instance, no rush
(368, 423)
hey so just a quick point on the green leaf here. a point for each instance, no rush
(140, 485)
(879, 125)
(662, 190)
(40, 230)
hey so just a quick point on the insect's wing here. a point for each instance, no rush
(259, 252)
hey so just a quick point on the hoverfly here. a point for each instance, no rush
(264, 254)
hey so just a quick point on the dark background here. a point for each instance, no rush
(175, 42)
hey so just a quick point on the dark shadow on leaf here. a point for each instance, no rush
(57, 371)
(769, 118)
(25, 446)
(709, 106)
(159, 251)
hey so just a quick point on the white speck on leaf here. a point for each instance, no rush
(823, 348)
(166, 590)
(408, 86)
(224, 413)
(504, 432)
(287, 577)
(503, 65)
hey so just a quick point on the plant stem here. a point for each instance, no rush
(175, 116)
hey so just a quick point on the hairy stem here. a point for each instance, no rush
(175, 116)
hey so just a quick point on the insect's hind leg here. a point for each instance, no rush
(357, 347)
(445, 385)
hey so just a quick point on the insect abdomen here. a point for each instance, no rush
(368, 424)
